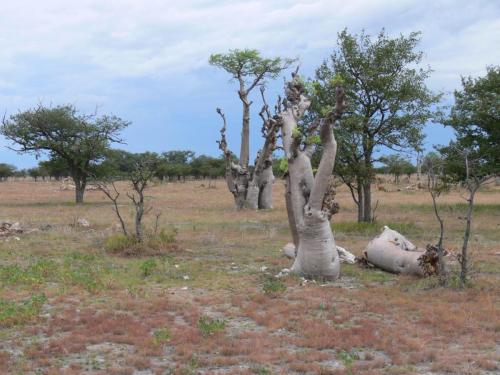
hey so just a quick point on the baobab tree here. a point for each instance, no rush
(250, 70)
(308, 202)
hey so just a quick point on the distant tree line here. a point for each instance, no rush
(169, 166)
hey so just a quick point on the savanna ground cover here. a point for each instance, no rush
(213, 305)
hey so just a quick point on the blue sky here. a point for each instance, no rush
(146, 61)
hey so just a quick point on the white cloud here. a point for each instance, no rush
(152, 37)
(111, 52)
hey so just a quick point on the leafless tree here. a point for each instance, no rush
(472, 182)
(109, 189)
(139, 173)
(252, 190)
(437, 184)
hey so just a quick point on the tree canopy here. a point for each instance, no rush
(388, 103)
(249, 67)
(397, 165)
(80, 140)
(475, 117)
(6, 171)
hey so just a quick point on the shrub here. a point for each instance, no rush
(273, 286)
(348, 358)
(148, 267)
(162, 336)
(152, 244)
(209, 326)
(119, 243)
(165, 240)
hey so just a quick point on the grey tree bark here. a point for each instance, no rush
(392, 252)
(390, 257)
(251, 190)
(367, 201)
(436, 186)
(245, 129)
(80, 185)
(308, 217)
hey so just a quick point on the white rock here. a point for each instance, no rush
(289, 250)
(346, 256)
(82, 222)
(16, 227)
(263, 269)
(283, 272)
(185, 277)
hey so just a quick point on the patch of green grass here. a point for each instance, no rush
(373, 228)
(148, 267)
(261, 371)
(16, 313)
(273, 286)
(452, 281)
(163, 239)
(194, 363)
(162, 336)
(209, 326)
(367, 275)
(489, 208)
(152, 244)
(117, 243)
(492, 268)
(348, 359)
(76, 269)
(85, 270)
(35, 274)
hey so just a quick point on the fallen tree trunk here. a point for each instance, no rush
(392, 252)
(390, 257)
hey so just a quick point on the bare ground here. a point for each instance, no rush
(68, 307)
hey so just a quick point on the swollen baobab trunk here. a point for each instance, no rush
(260, 187)
(252, 190)
(309, 216)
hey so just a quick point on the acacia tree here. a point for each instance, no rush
(6, 171)
(397, 165)
(175, 164)
(55, 167)
(474, 158)
(80, 140)
(388, 104)
(308, 195)
(250, 70)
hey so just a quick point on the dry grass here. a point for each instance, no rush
(104, 314)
